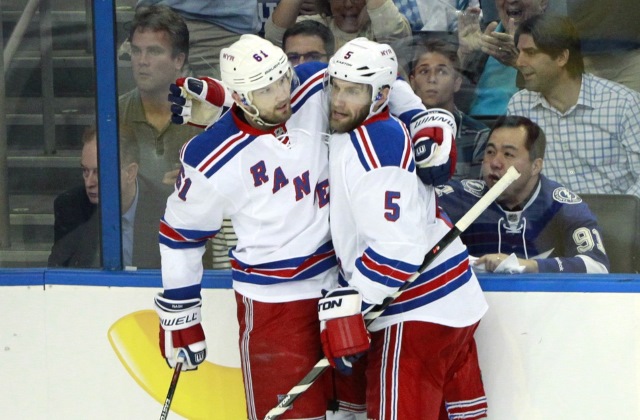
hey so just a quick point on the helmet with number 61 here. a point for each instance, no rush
(364, 61)
(252, 63)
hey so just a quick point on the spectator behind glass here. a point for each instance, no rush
(75, 206)
(213, 25)
(378, 20)
(308, 40)
(435, 78)
(488, 58)
(434, 15)
(536, 224)
(610, 38)
(142, 205)
(159, 50)
(593, 124)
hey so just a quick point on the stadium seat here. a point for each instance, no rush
(619, 220)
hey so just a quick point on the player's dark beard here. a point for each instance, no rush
(351, 125)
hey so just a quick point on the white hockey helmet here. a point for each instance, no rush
(252, 63)
(364, 61)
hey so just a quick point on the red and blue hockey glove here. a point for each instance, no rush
(342, 330)
(196, 101)
(433, 133)
(181, 333)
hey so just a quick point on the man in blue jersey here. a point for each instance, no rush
(383, 222)
(537, 223)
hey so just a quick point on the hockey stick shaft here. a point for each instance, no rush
(172, 390)
(511, 175)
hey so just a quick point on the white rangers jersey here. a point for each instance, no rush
(273, 186)
(384, 221)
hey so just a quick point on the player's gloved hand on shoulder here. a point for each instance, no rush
(181, 333)
(196, 101)
(433, 133)
(342, 330)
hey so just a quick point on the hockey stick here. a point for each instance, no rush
(511, 175)
(172, 389)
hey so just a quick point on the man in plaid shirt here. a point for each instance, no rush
(592, 124)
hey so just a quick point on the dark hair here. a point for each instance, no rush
(324, 8)
(552, 35)
(90, 133)
(311, 28)
(435, 45)
(129, 147)
(163, 18)
(535, 142)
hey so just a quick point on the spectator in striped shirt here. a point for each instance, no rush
(592, 124)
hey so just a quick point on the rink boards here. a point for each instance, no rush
(82, 344)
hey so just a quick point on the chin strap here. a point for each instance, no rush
(253, 113)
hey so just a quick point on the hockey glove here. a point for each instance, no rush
(342, 330)
(196, 102)
(433, 133)
(181, 334)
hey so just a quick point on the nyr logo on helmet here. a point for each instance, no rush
(386, 52)
(228, 57)
(563, 195)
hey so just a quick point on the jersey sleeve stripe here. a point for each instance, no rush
(402, 155)
(407, 154)
(394, 269)
(183, 238)
(384, 271)
(364, 148)
(434, 284)
(219, 156)
(294, 269)
(307, 89)
(454, 271)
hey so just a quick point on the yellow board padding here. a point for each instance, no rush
(211, 392)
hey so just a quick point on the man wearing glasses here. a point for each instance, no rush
(306, 41)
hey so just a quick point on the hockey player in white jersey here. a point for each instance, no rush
(383, 221)
(264, 165)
